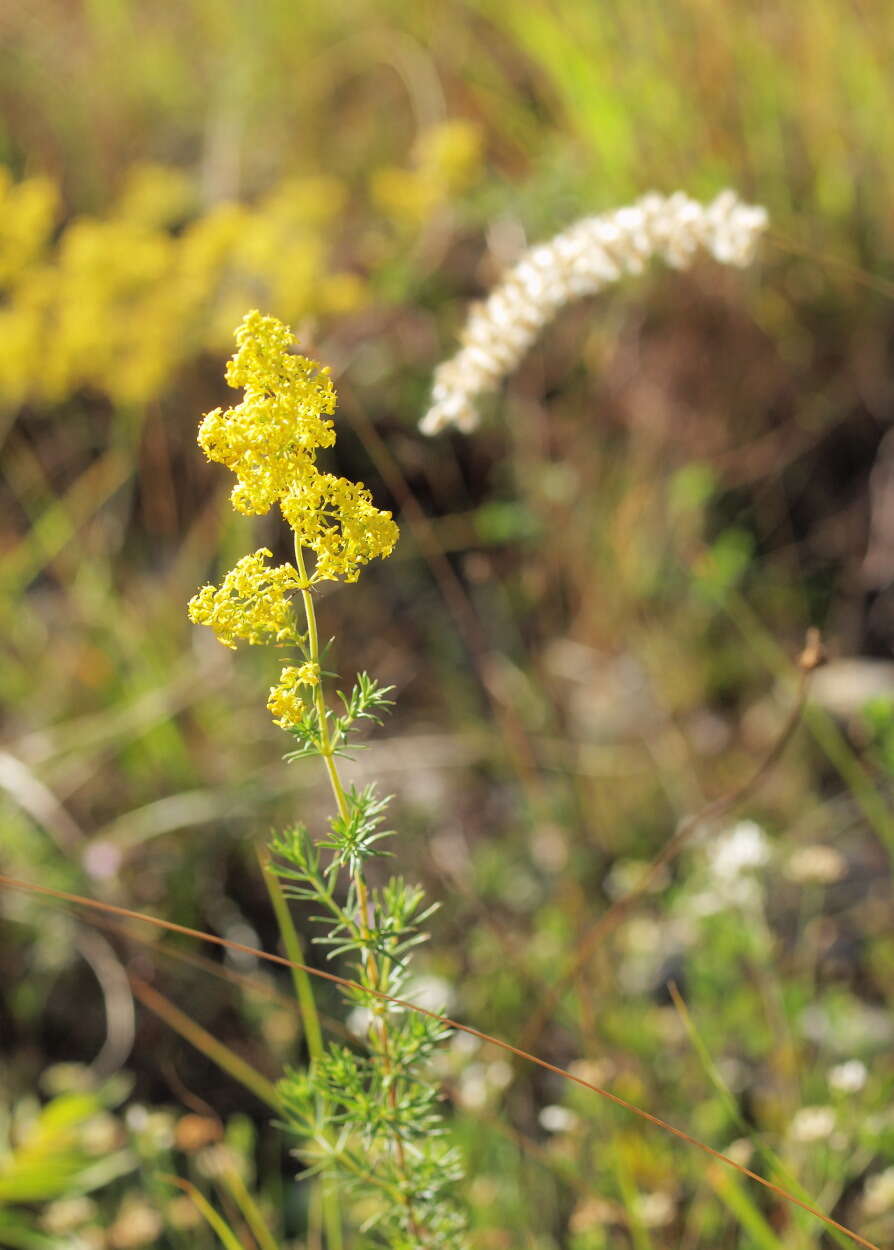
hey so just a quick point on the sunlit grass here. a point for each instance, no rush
(593, 623)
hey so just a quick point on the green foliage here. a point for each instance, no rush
(878, 715)
(725, 563)
(367, 701)
(48, 1157)
(372, 1121)
(569, 627)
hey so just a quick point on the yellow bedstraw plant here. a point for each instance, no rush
(367, 1122)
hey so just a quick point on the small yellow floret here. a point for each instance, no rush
(269, 440)
(339, 522)
(252, 603)
(285, 700)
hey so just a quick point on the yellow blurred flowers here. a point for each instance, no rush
(447, 159)
(128, 298)
(28, 213)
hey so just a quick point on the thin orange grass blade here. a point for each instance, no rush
(29, 888)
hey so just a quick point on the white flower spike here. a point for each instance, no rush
(581, 261)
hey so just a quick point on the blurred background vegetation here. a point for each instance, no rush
(592, 620)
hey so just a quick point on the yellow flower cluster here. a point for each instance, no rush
(270, 442)
(339, 522)
(269, 438)
(126, 299)
(285, 700)
(252, 603)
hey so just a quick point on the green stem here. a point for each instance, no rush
(225, 1058)
(312, 1031)
(304, 992)
(377, 977)
(639, 1234)
(216, 1222)
(295, 951)
(249, 1209)
(331, 1214)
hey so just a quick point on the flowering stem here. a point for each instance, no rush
(375, 1105)
(377, 977)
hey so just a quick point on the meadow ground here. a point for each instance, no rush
(592, 622)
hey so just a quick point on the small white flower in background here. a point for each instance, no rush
(557, 1119)
(478, 1082)
(815, 865)
(581, 261)
(596, 1071)
(102, 859)
(431, 992)
(136, 1224)
(878, 1196)
(735, 1074)
(472, 1090)
(744, 848)
(855, 1026)
(88, 1239)
(848, 1077)
(66, 1214)
(740, 1151)
(101, 1134)
(136, 1117)
(594, 1213)
(655, 1210)
(812, 1124)
(733, 857)
(182, 1213)
(549, 848)
(464, 1043)
(499, 1074)
(220, 1159)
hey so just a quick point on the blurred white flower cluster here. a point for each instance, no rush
(733, 860)
(580, 261)
(878, 1198)
(848, 1077)
(812, 1124)
(744, 848)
